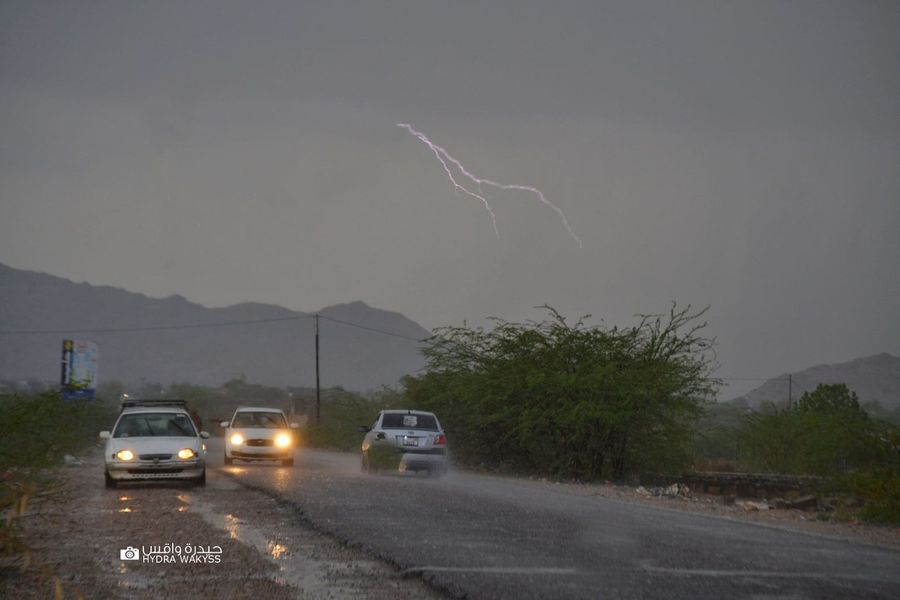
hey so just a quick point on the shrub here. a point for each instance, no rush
(826, 434)
(880, 492)
(35, 433)
(569, 400)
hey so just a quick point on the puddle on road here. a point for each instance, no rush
(293, 569)
(186, 502)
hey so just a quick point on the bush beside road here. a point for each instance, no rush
(38, 434)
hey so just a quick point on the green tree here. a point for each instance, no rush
(570, 399)
(831, 399)
(774, 441)
(825, 434)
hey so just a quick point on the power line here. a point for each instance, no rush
(198, 326)
(375, 329)
(752, 378)
(273, 320)
(149, 328)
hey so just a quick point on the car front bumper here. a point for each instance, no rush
(261, 454)
(246, 452)
(165, 469)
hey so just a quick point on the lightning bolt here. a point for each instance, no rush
(440, 153)
(444, 158)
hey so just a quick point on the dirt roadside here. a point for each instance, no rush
(797, 520)
(266, 550)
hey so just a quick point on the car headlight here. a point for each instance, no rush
(237, 439)
(282, 440)
(125, 455)
(186, 453)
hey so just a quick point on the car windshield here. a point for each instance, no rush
(262, 420)
(155, 424)
(409, 421)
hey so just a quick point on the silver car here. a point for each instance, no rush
(407, 440)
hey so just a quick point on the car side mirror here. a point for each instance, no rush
(363, 429)
(224, 424)
(104, 435)
(295, 425)
(379, 435)
(204, 435)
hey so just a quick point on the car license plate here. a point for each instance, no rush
(151, 475)
(408, 441)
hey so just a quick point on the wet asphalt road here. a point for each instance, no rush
(487, 537)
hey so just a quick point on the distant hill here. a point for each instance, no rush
(874, 379)
(280, 352)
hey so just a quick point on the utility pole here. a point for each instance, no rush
(318, 392)
(790, 391)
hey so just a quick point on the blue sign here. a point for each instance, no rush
(79, 369)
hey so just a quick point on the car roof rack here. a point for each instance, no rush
(153, 403)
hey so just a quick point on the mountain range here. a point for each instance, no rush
(874, 378)
(173, 340)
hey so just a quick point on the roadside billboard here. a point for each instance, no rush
(79, 369)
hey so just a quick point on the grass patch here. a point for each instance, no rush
(880, 493)
(36, 432)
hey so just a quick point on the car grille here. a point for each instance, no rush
(260, 443)
(155, 456)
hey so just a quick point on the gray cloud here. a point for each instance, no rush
(735, 154)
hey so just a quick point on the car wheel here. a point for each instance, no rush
(110, 482)
(201, 481)
(228, 460)
(287, 462)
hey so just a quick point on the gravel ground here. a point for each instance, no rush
(267, 550)
(797, 520)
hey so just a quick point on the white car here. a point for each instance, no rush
(154, 439)
(410, 439)
(256, 433)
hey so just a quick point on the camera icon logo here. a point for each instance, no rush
(129, 553)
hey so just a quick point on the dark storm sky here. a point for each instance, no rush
(738, 154)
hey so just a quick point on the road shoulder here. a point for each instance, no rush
(266, 548)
